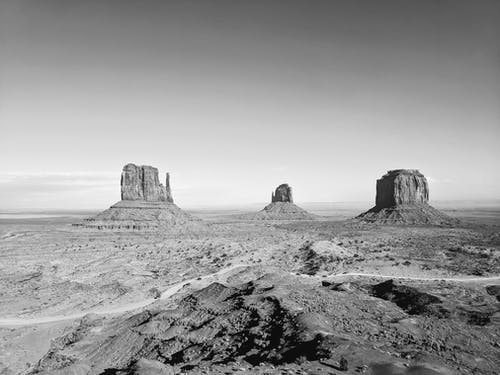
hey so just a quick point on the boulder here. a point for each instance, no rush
(142, 183)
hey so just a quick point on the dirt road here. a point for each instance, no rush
(201, 282)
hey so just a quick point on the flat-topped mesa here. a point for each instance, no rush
(283, 193)
(401, 187)
(403, 198)
(142, 183)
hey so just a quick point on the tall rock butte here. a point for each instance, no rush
(280, 208)
(142, 183)
(145, 204)
(401, 186)
(283, 193)
(403, 198)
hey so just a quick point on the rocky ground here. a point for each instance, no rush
(285, 297)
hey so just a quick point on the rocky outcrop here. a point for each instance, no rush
(142, 183)
(214, 325)
(146, 205)
(402, 198)
(401, 186)
(283, 193)
(280, 208)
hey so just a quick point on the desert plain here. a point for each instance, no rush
(224, 295)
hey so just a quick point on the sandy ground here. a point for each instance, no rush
(52, 274)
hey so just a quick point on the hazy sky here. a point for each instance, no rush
(234, 97)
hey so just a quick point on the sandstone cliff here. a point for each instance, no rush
(142, 183)
(146, 204)
(402, 198)
(283, 193)
(401, 186)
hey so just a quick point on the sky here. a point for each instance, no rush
(234, 97)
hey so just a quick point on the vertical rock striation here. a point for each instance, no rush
(142, 183)
(403, 198)
(402, 186)
(283, 193)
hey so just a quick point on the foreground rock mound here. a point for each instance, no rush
(402, 198)
(145, 204)
(140, 215)
(216, 324)
(280, 208)
(277, 323)
(318, 254)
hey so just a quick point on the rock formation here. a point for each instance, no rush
(280, 208)
(402, 198)
(283, 193)
(142, 183)
(145, 204)
(249, 323)
(401, 186)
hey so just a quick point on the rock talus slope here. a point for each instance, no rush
(402, 198)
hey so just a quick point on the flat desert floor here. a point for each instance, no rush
(329, 296)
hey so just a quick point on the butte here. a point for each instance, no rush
(403, 198)
(281, 207)
(145, 204)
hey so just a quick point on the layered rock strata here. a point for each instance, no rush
(142, 183)
(402, 198)
(402, 186)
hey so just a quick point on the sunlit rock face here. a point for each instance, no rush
(146, 204)
(283, 193)
(142, 183)
(403, 198)
(402, 186)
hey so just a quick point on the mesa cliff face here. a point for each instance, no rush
(401, 186)
(283, 193)
(402, 198)
(146, 204)
(142, 183)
